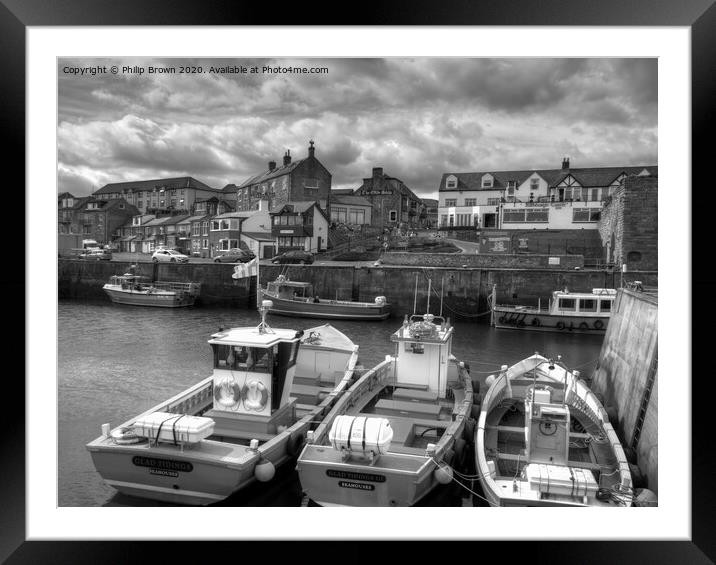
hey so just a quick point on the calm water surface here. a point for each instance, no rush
(115, 361)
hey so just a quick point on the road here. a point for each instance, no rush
(147, 258)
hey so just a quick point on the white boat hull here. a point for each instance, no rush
(523, 319)
(328, 309)
(162, 299)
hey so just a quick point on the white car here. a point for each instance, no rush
(169, 255)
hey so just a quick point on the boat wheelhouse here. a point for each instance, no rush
(234, 427)
(580, 312)
(544, 439)
(398, 432)
(138, 290)
(296, 298)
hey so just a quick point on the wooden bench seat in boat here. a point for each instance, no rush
(307, 380)
(415, 395)
(402, 408)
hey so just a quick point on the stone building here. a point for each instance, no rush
(629, 224)
(294, 181)
(394, 204)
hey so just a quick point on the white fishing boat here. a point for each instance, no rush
(237, 425)
(544, 439)
(137, 290)
(399, 431)
(296, 298)
(579, 312)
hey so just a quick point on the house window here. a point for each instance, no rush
(451, 182)
(470, 201)
(308, 220)
(595, 195)
(225, 244)
(443, 220)
(510, 215)
(310, 183)
(493, 201)
(487, 181)
(356, 217)
(215, 225)
(534, 185)
(393, 216)
(577, 193)
(537, 215)
(205, 243)
(449, 202)
(205, 229)
(140, 204)
(586, 215)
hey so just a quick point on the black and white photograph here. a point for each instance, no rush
(292, 262)
(300, 286)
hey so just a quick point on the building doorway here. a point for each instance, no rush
(489, 221)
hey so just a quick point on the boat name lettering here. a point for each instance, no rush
(355, 476)
(163, 472)
(359, 486)
(165, 464)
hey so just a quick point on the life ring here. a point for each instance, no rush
(126, 436)
(227, 392)
(535, 322)
(598, 325)
(560, 325)
(294, 445)
(255, 395)
(584, 326)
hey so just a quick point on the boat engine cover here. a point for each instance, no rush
(361, 434)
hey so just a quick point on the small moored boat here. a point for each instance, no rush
(140, 291)
(398, 432)
(580, 312)
(237, 425)
(295, 298)
(544, 439)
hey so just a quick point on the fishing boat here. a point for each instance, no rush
(544, 439)
(579, 312)
(295, 298)
(234, 427)
(138, 290)
(400, 429)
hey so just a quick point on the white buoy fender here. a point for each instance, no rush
(443, 474)
(264, 471)
(489, 380)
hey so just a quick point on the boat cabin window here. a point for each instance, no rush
(567, 303)
(414, 347)
(243, 358)
(587, 305)
(605, 305)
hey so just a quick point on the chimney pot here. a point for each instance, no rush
(287, 158)
(565, 164)
(377, 172)
(272, 165)
(311, 149)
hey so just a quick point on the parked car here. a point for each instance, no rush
(169, 255)
(234, 256)
(296, 256)
(95, 254)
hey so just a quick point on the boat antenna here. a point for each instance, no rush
(263, 327)
(442, 288)
(430, 286)
(415, 295)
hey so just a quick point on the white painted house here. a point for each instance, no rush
(563, 198)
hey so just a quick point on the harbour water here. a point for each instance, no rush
(116, 361)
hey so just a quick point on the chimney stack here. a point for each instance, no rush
(377, 172)
(565, 164)
(272, 165)
(287, 158)
(311, 149)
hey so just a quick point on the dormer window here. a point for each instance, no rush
(487, 181)
(451, 182)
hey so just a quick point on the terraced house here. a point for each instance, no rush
(565, 198)
(295, 181)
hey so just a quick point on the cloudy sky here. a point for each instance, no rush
(416, 118)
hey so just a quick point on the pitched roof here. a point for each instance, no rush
(157, 221)
(170, 183)
(176, 219)
(269, 174)
(299, 207)
(591, 176)
(350, 200)
(341, 191)
(258, 235)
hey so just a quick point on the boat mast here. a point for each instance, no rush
(429, 290)
(442, 288)
(415, 295)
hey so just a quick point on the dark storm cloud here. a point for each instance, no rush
(416, 118)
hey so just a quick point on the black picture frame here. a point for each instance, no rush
(700, 16)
